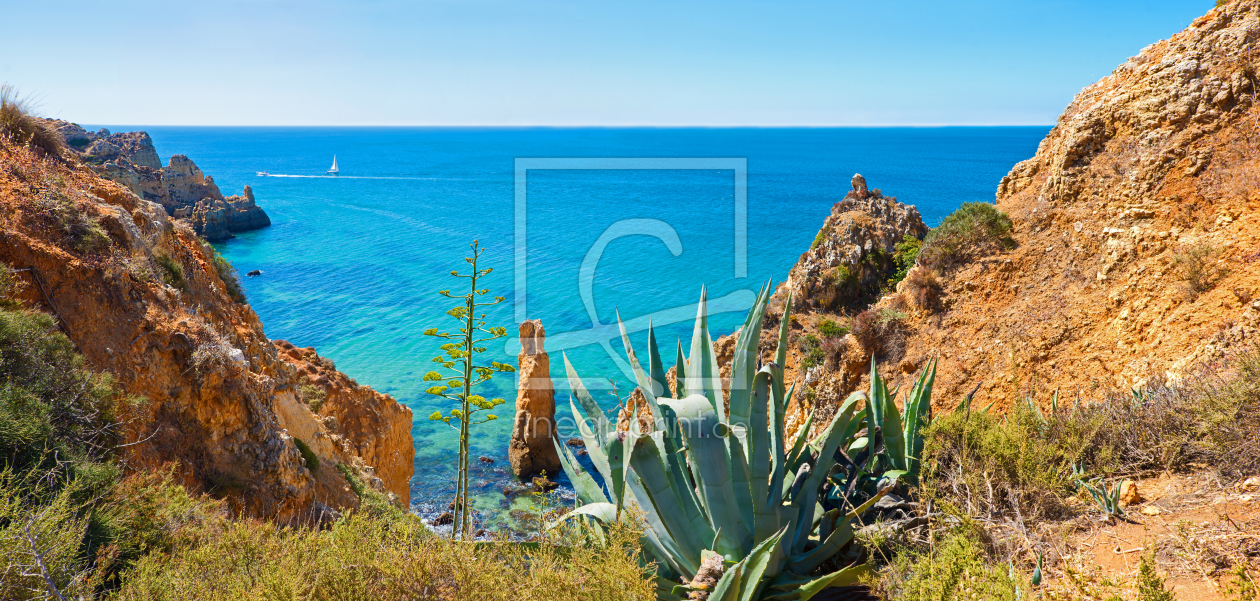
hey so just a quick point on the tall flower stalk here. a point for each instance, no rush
(459, 357)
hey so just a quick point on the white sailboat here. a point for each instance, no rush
(333, 170)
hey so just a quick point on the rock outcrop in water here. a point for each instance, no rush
(186, 193)
(532, 449)
(138, 293)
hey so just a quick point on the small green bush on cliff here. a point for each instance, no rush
(905, 254)
(975, 230)
(227, 273)
(172, 272)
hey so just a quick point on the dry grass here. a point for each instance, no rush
(363, 557)
(19, 125)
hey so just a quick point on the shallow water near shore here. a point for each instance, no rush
(353, 262)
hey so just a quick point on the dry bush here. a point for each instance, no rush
(19, 125)
(882, 331)
(1208, 419)
(924, 289)
(1197, 269)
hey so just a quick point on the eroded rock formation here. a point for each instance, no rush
(531, 450)
(130, 159)
(853, 249)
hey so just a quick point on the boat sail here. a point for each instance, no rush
(333, 170)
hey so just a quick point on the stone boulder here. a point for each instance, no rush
(532, 450)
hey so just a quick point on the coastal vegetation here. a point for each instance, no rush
(975, 229)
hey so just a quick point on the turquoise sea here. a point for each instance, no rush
(352, 264)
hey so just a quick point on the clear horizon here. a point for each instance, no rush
(491, 63)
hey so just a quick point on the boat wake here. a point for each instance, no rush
(350, 176)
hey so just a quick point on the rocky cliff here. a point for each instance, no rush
(139, 295)
(1136, 237)
(186, 193)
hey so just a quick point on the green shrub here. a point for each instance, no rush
(1150, 585)
(830, 329)
(1023, 457)
(313, 396)
(905, 254)
(956, 568)
(308, 456)
(975, 230)
(227, 273)
(52, 408)
(173, 272)
(822, 235)
(363, 556)
(811, 347)
(10, 287)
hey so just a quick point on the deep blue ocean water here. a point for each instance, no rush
(352, 264)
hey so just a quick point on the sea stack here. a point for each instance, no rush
(532, 449)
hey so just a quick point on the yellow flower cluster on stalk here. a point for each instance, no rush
(459, 357)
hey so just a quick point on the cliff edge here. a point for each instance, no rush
(1136, 235)
(144, 299)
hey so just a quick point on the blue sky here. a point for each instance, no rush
(495, 62)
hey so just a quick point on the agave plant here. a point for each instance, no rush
(707, 481)
(892, 447)
(1108, 500)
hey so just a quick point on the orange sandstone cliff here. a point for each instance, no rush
(139, 295)
(1137, 230)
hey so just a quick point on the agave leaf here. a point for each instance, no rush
(798, 447)
(702, 372)
(618, 449)
(740, 479)
(918, 413)
(780, 353)
(703, 432)
(875, 407)
(840, 536)
(588, 491)
(894, 441)
(765, 516)
(743, 581)
(660, 386)
(744, 364)
(599, 421)
(826, 458)
(668, 503)
(790, 586)
(680, 373)
(594, 446)
(646, 384)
